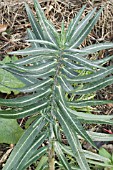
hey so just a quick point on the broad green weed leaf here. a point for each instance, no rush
(10, 131)
(9, 79)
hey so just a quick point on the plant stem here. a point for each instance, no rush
(51, 150)
(51, 159)
(51, 154)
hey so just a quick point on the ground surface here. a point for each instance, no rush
(14, 22)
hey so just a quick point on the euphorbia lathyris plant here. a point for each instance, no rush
(50, 71)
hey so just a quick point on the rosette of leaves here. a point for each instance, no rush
(51, 70)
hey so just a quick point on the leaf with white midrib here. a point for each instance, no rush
(85, 103)
(85, 116)
(74, 23)
(97, 47)
(34, 87)
(103, 60)
(92, 87)
(65, 84)
(92, 77)
(32, 36)
(31, 150)
(43, 42)
(62, 156)
(80, 37)
(34, 51)
(75, 123)
(88, 154)
(33, 59)
(37, 154)
(36, 27)
(46, 74)
(42, 19)
(100, 136)
(30, 69)
(81, 26)
(83, 61)
(25, 111)
(23, 144)
(25, 100)
(70, 137)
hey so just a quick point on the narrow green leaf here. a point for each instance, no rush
(94, 120)
(86, 103)
(26, 80)
(100, 136)
(88, 154)
(25, 111)
(34, 51)
(105, 153)
(65, 84)
(46, 73)
(81, 36)
(97, 47)
(60, 94)
(53, 31)
(24, 144)
(42, 162)
(74, 23)
(25, 100)
(35, 59)
(97, 85)
(75, 123)
(72, 65)
(32, 36)
(40, 68)
(42, 21)
(101, 164)
(85, 62)
(26, 60)
(43, 42)
(70, 74)
(80, 27)
(63, 34)
(35, 26)
(90, 117)
(30, 152)
(95, 156)
(37, 154)
(74, 143)
(33, 88)
(103, 61)
(61, 156)
(93, 77)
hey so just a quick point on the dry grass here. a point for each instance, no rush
(13, 14)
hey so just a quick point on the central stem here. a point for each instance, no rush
(51, 150)
(51, 160)
(52, 137)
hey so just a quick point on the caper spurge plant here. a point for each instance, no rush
(51, 69)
